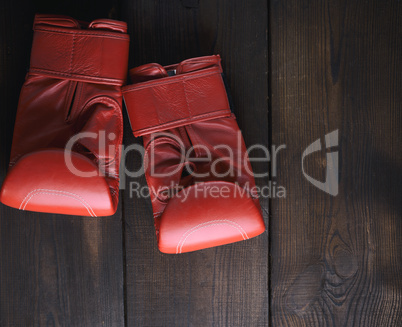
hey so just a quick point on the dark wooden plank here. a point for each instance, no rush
(54, 270)
(336, 260)
(224, 286)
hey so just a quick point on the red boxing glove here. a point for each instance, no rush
(71, 99)
(196, 165)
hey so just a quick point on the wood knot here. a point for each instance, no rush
(345, 263)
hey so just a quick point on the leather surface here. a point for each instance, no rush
(214, 144)
(175, 101)
(94, 54)
(54, 188)
(207, 221)
(55, 106)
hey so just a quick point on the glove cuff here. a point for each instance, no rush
(97, 54)
(179, 100)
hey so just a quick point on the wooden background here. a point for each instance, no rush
(297, 71)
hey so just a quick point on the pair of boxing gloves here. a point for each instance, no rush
(66, 148)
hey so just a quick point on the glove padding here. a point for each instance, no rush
(72, 90)
(196, 165)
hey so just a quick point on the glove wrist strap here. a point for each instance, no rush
(96, 56)
(175, 101)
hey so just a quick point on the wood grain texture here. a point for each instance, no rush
(224, 286)
(336, 65)
(335, 261)
(55, 270)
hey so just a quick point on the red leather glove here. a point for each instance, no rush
(196, 165)
(73, 86)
